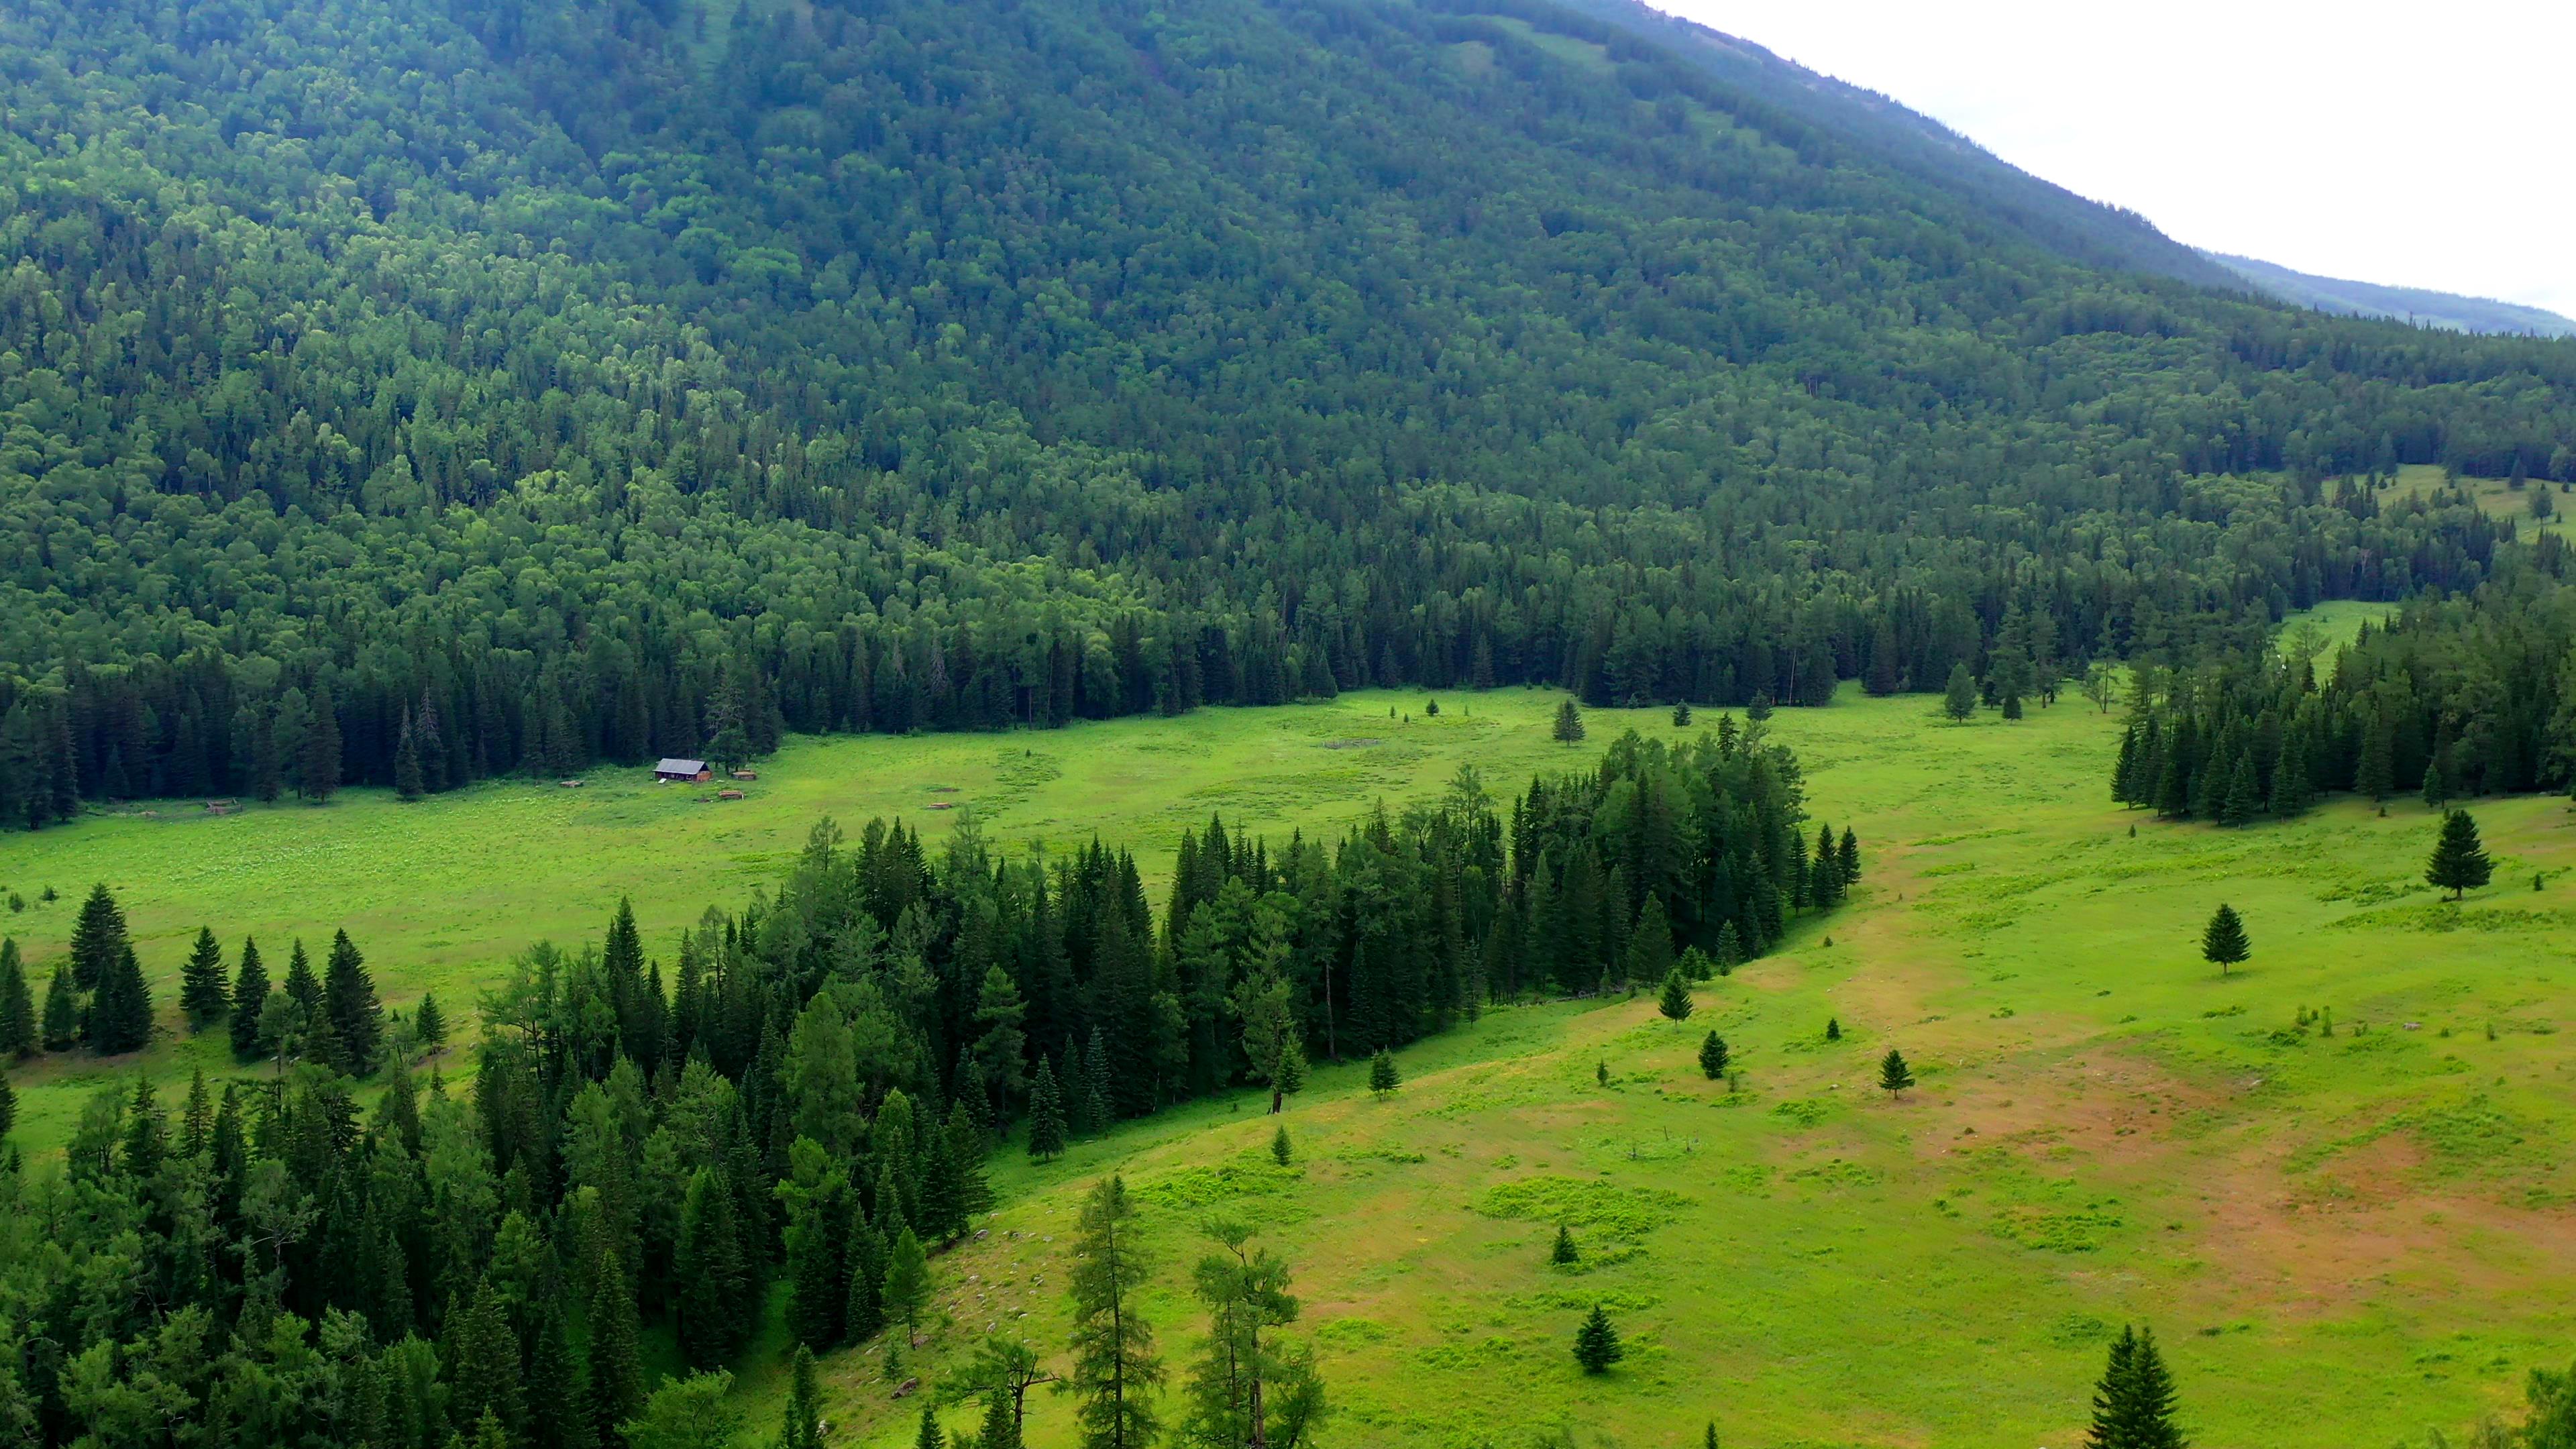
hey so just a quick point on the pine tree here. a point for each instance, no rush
(1730, 949)
(8, 1107)
(1893, 1075)
(428, 1023)
(929, 1437)
(250, 997)
(1115, 1371)
(2459, 862)
(1596, 1343)
(18, 1022)
(2243, 802)
(964, 1144)
(302, 986)
(1959, 697)
(905, 1288)
(1281, 1151)
(2133, 1404)
(1833, 1028)
(483, 1358)
(2291, 791)
(801, 1427)
(1682, 715)
(349, 997)
(1383, 1078)
(201, 983)
(1046, 1115)
(1847, 856)
(1675, 1002)
(2375, 779)
(120, 1011)
(1564, 1254)
(147, 1135)
(2223, 941)
(62, 1009)
(1650, 942)
(560, 1413)
(197, 1124)
(1712, 1056)
(1569, 723)
(2437, 783)
(407, 778)
(864, 1316)
(319, 776)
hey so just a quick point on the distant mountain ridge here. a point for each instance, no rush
(2406, 304)
(1905, 140)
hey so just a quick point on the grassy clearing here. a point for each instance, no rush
(442, 892)
(2343, 1239)
(2495, 497)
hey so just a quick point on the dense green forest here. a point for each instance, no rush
(544, 383)
(806, 1100)
(2456, 697)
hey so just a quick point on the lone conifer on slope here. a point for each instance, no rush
(2133, 1405)
(1596, 1343)
(2223, 942)
(1893, 1075)
(1569, 723)
(2460, 862)
(1383, 1077)
(1712, 1056)
(202, 994)
(1675, 1002)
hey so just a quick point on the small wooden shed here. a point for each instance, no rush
(670, 770)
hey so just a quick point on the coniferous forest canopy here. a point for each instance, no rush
(564, 382)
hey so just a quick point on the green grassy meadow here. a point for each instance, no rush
(2342, 1239)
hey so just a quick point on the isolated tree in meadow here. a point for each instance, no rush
(1569, 723)
(1893, 1075)
(2459, 862)
(1564, 1253)
(2134, 1401)
(18, 1024)
(2223, 942)
(1833, 1028)
(1281, 1151)
(1675, 1001)
(1046, 1115)
(1847, 856)
(1596, 1343)
(1712, 1056)
(1959, 698)
(1682, 715)
(250, 997)
(1115, 1370)
(201, 983)
(1383, 1077)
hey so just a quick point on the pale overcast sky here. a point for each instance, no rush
(2427, 144)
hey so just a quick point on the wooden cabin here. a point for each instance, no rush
(693, 770)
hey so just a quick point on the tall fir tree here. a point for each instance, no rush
(407, 776)
(2223, 942)
(801, 1425)
(428, 1023)
(904, 1290)
(712, 1282)
(249, 998)
(616, 1348)
(318, 772)
(1098, 1095)
(1596, 1343)
(1384, 1079)
(349, 998)
(483, 1355)
(1893, 1075)
(61, 1025)
(1046, 1115)
(98, 938)
(203, 994)
(120, 1010)
(2460, 863)
(2134, 1403)
(1712, 1056)
(1568, 729)
(18, 1022)
(1675, 1000)
(301, 985)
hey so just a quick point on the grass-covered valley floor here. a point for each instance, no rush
(2341, 1239)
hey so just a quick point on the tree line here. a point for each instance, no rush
(2451, 698)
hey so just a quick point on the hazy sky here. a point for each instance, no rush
(2428, 145)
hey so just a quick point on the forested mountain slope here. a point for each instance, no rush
(2414, 304)
(566, 380)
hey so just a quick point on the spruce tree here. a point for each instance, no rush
(8, 1107)
(1115, 1370)
(1383, 1078)
(801, 1426)
(349, 997)
(964, 1144)
(1675, 1002)
(428, 1023)
(1596, 1343)
(2375, 779)
(712, 1280)
(2437, 784)
(1046, 1115)
(2459, 862)
(2223, 942)
(147, 1135)
(2243, 802)
(407, 778)
(1847, 855)
(1564, 1254)
(1281, 1151)
(1682, 715)
(2134, 1402)
(250, 997)
(864, 1315)
(905, 1288)
(302, 986)
(318, 776)
(1712, 1056)
(120, 1011)
(1096, 1096)
(1893, 1075)
(928, 1436)
(616, 1348)
(18, 1021)
(560, 1412)
(483, 1357)
(1833, 1028)
(1730, 949)
(98, 939)
(1959, 697)
(202, 994)
(1569, 723)
(61, 1024)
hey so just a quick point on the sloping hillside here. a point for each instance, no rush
(2406, 304)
